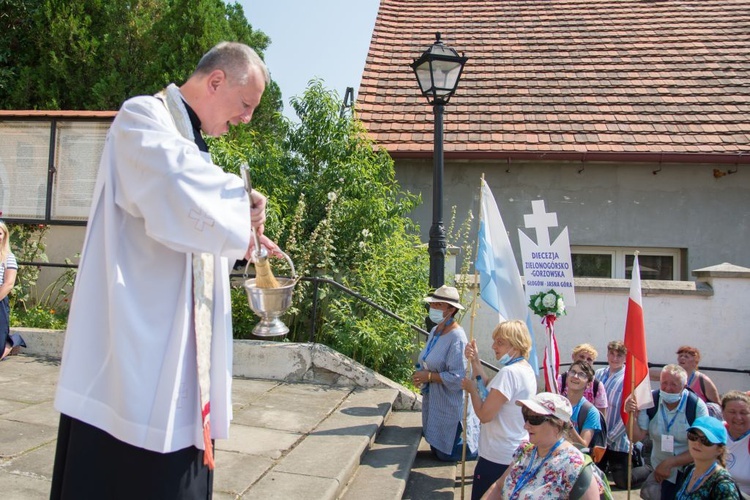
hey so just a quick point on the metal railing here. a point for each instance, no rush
(316, 282)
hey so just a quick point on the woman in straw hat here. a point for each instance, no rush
(440, 369)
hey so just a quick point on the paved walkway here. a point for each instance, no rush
(287, 440)
(270, 419)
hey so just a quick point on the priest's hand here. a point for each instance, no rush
(265, 241)
(257, 210)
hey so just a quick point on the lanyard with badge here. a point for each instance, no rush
(667, 440)
(529, 473)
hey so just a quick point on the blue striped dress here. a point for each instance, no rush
(442, 404)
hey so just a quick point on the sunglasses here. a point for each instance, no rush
(694, 436)
(534, 419)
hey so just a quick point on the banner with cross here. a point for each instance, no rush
(549, 275)
(546, 266)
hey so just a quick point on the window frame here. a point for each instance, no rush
(618, 257)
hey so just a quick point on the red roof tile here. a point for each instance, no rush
(657, 77)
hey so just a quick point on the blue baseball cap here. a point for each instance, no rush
(712, 428)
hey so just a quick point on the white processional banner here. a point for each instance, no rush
(546, 265)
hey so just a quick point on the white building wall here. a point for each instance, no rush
(712, 314)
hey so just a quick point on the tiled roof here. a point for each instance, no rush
(596, 77)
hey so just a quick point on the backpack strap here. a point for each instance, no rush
(583, 481)
(651, 412)
(583, 413)
(701, 382)
(690, 407)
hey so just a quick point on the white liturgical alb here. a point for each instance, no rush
(129, 361)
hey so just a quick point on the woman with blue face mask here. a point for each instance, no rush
(440, 369)
(502, 429)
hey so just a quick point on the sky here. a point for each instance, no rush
(325, 39)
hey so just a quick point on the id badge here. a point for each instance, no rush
(667, 443)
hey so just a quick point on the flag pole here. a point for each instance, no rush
(471, 338)
(466, 395)
(631, 420)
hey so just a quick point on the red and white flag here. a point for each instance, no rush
(551, 356)
(636, 366)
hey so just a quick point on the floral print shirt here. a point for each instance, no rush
(553, 480)
(717, 485)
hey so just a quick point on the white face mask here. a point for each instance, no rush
(436, 315)
(670, 398)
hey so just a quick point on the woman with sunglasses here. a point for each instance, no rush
(735, 406)
(579, 377)
(502, 428)
(706, 477)
(548, 466)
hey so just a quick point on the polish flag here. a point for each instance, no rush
(636, 380)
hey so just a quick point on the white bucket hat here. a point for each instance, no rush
(447, 294)
(547, 403)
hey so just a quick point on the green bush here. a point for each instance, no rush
(337, 210)
(38, 317)
(31, 307)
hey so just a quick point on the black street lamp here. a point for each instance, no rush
(438, 71)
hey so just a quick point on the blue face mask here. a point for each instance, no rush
(505, 359)
(436, 315)
(670, 398)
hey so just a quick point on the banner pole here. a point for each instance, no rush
(469, 370)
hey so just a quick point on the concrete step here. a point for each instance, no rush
(431, 479)
(287, 439)
(321, 464)
(385, 468)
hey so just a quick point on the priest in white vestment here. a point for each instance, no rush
(129, 379)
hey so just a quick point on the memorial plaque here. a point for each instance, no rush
(24, 156)
(78, 149)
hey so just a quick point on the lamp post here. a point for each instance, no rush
(438, 71)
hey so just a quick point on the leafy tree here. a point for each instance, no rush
(334, 203)
(94, 54)
(337, 210)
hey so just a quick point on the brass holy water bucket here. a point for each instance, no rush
(271, 303)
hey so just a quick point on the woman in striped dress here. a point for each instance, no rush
(441, 368)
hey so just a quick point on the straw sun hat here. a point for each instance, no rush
(446, 294)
